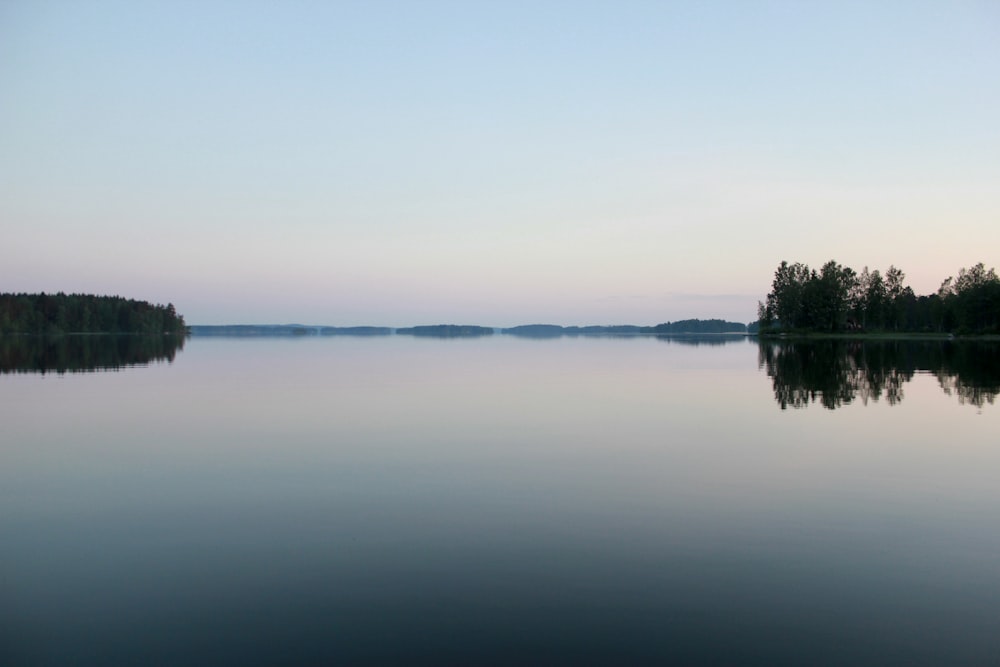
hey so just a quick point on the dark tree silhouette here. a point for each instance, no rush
(85, 313)
(838, 299)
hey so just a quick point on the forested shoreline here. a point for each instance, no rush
(837, 299)
(53, 314)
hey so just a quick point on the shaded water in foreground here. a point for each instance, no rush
(395, 500)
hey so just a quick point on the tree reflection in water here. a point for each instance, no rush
(84, 353)
(835, 373)
(697, 340)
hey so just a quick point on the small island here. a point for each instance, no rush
(242, 330)
(679, 328)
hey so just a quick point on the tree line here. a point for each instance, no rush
(714, 326)
(693, 326)
(46, 314)
(837, 298)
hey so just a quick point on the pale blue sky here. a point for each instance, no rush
(495, 163)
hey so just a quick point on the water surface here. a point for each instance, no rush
(399, 500)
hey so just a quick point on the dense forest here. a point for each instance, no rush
(838, 299)
(85, 313)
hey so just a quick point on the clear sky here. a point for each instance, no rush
(496, 163)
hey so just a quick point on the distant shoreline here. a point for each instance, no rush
(683, 328)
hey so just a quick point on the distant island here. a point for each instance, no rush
(446, 330)
(56, 314)
(284, 330)
(680, 328)
(53, 314)
(838, 299)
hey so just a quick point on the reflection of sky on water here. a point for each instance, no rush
(515, 501)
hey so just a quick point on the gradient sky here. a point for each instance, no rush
(497, 163)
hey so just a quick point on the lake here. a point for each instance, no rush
(498, 500)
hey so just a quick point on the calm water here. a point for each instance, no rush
(395, 500)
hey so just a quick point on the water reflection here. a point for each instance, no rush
(702, 339)
(83, 353)
(392, 501)
(835, 373)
